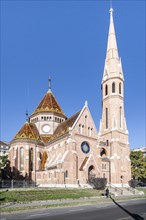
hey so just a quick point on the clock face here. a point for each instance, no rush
(85, 147)
(46, 128)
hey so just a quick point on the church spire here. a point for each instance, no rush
(112, 50)
(113, 66)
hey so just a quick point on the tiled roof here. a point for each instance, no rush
(3, 143)
(46, 138)
(64, 126)
(49, 104)
(28, 131)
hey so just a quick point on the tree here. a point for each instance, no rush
(3, 160)
(138, 165)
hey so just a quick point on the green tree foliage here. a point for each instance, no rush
(3, 160)
(138, 165)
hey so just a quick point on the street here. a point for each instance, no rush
(113, 210)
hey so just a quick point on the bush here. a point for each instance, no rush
(133, 183)
(98, 183)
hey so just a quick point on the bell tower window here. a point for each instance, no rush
(106, 118)
(106, 89)
(120, 88)
(120, 117)
(113, 87)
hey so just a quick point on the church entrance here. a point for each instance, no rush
(91, 173)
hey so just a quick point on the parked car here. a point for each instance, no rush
(141, 185)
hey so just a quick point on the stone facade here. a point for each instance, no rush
(54, 150)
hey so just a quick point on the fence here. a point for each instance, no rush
(16, 183)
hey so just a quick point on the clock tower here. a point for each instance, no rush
(48, 115)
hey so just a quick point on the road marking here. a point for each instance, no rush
(75, 210)
(39, 214)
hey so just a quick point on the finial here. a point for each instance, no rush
(26, 115)
(86, 103)
(111, 11)
(49, 84)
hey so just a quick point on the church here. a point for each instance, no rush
(53, 150)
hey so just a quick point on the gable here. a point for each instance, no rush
(84, 123)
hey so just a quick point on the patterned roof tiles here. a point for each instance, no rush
(64, 126)
(28, 131)
(49, 104)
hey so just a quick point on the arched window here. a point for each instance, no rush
(21, 158)
(31, 159)
(106, 89)
(120, 117)
(66, 174)
(106, 118)
(107, 142)
(113, 87)
(120, 88)
(102, 152)
(80, 129)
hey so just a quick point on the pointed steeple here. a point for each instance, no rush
(113, 66)
(112, 50)
(49, 103)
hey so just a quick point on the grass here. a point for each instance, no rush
(142, 189)
(35, 194)
(76, 203)
(46, 194)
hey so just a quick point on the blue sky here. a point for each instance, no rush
(67, 40)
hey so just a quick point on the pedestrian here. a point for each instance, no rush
(107, 193)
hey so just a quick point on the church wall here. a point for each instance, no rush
(15, 157)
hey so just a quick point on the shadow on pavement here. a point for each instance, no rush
(133, 215)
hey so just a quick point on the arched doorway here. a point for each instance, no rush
(91, 173)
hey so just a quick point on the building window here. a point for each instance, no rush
(90, 131)
(21, 158)
(113, 87)
(107, 142)
(82, 129)
(106, 89)
(102, 152)
(120, 88)
(104, 166)
(120, 117)
(66, 174)
(31, 159)
(106, 118)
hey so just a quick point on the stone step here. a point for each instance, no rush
(125, 191)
